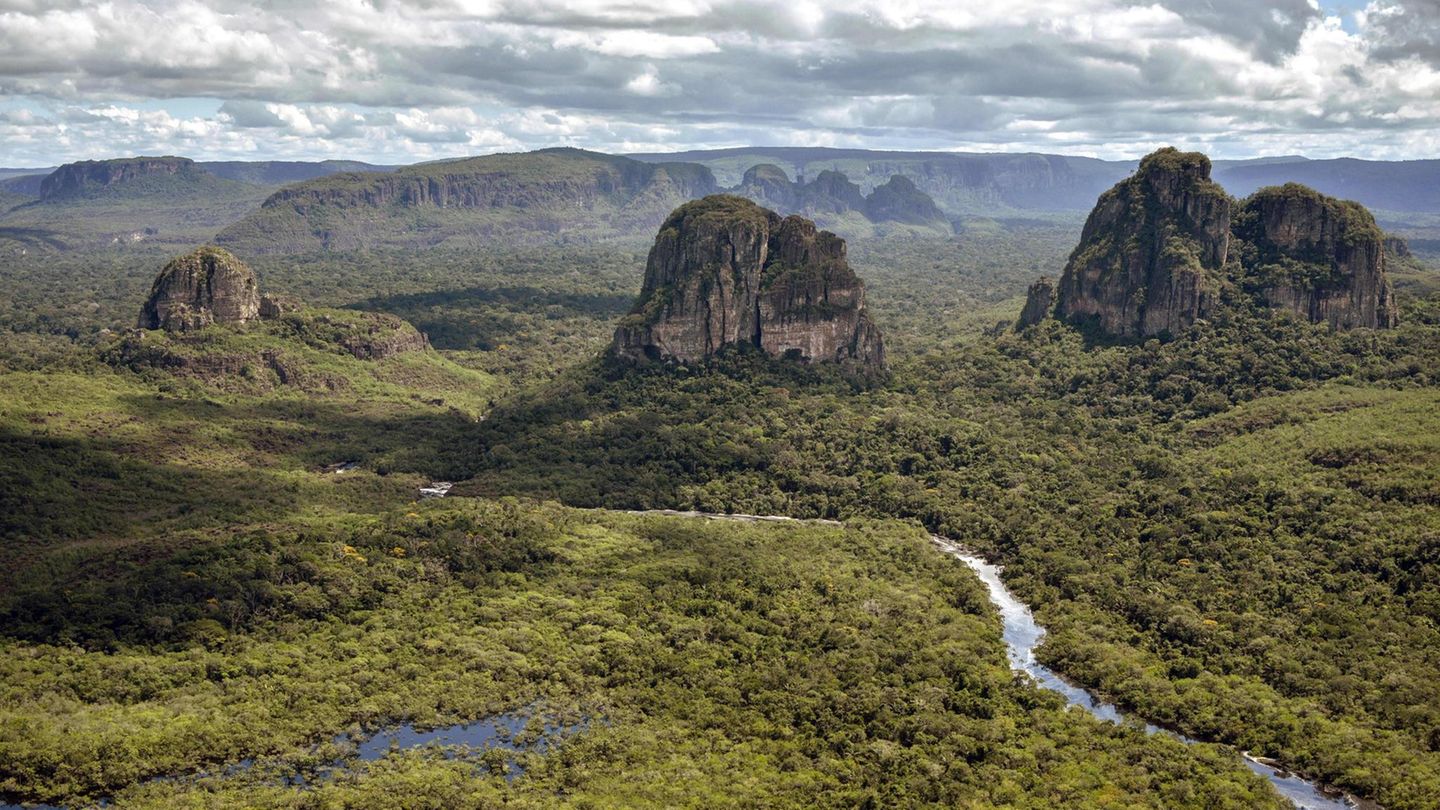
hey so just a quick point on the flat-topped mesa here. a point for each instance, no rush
(206, 286)
(1315, 257)
(724, 271)
(93, 175)
(1150, 256)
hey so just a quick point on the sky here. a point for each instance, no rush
(399, 81)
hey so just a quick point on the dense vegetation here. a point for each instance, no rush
(1233, 533)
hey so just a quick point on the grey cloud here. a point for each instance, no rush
(1407, 28)
(250, 114)
(1270, 29)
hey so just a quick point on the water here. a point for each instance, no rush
(499, 731)
(1022, 635)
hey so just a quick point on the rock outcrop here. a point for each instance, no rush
(1315, 257)
(1160, 246)
(1151, 253)
(831, 195)
(769, 185)
(87, 176)
(898, 200)
(1398, 245)
(201, 288)
(1039, 303)
(725, 271)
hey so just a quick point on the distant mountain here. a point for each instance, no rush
(960, 183)
(549, 194)
(168, 177)
(987, 184)
(1407, 185)
(832, 200)
(126, 201)
(283, 172)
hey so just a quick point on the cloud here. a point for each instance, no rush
(405, 79)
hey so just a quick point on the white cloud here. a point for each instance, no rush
(423, 77)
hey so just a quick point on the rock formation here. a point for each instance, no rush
(1398, 245)
(1159, 247)
(770, 186)
(1149, 258)
(1315, 257)
(898, 200)
(534, 195)
(831, 194)
(1039, 303)
(206, 286)
(86, 176)
(726, 271)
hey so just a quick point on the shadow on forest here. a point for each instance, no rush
(478, 317)
(167, 537)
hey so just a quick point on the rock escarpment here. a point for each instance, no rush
(88, 176)
(1151, 253)
(1160, 247)
(535, 195)
(203, 287)
(724, 271)
(1315, 257)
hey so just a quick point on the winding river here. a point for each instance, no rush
(1022, 636)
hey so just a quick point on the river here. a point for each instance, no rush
(1022, 636)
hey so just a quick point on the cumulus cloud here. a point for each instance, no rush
(417, 79)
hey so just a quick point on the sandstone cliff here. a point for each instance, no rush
(1149, 258)
(1315, 257)
(1039, 303)
(535, 195)
(200, 288)
(91, 176)
(1159, 247)
(724, 271)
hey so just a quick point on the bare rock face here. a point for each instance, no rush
(91, 175)
(1039, 303)
(725, 271)
(201, 288)
(1150, 256)
(1315, 257)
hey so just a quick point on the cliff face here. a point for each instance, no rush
(541, 193)
(88, 176)
(1315, 257)
(1159, 246)
(725, 271)
(1150, 255)
(1039, 303)
(201, 288)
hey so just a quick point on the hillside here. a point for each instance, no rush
(122, 202)
(566, 194)
(974, 184)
